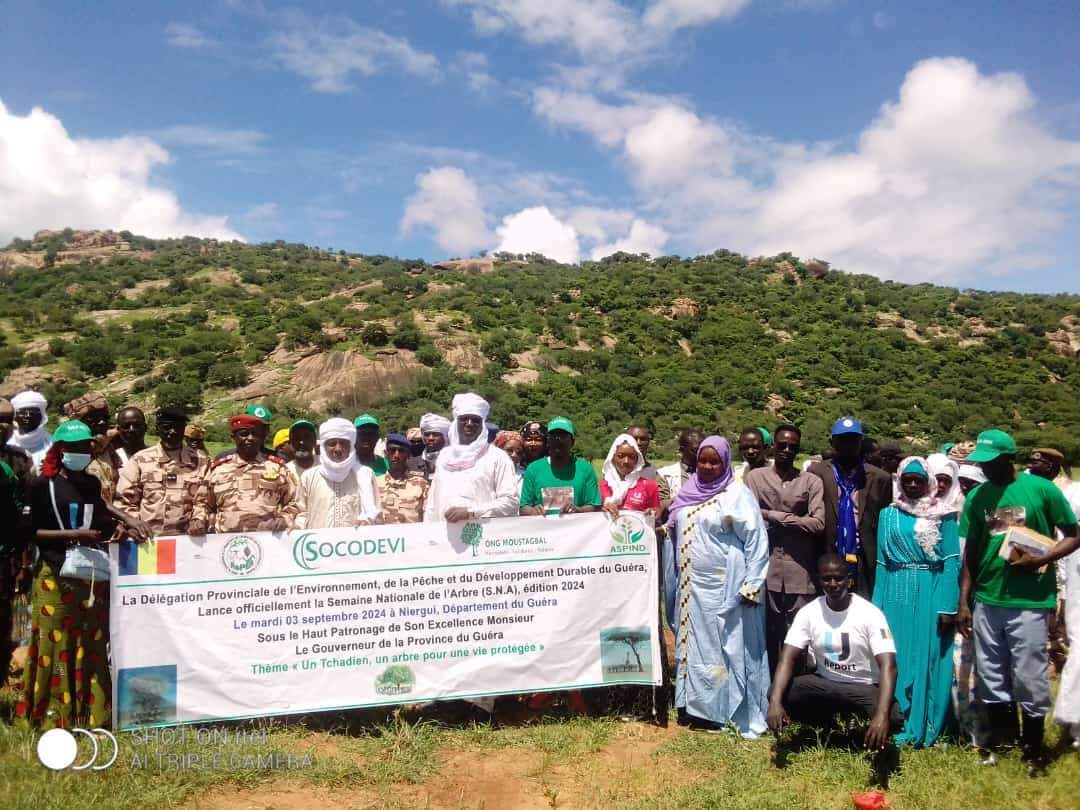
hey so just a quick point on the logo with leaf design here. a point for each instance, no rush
(241, 555)
(471, 535)
(395, 680)
(627, 529)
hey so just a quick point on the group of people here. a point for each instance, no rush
(859, 584)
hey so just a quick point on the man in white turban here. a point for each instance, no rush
(473, 479)
(339, 492)
(31, 416)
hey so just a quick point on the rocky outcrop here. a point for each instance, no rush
(680, 308)
(1066, 340)
(466, 265)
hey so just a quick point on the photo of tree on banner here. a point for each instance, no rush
(626, 651)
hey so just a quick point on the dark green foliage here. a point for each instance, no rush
(607, 340)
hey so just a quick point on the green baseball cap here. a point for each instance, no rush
(365, 419)
(71, 432)
(303, 423)
(561, 423)
(260, 412)
(990, 445)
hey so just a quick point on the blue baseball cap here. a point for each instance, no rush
(845, 425)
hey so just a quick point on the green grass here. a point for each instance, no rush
(384, 760)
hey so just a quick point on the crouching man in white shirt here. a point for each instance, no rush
(856, 666)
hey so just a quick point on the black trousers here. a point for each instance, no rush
(780, 610)
(817, 701)
(7, 595)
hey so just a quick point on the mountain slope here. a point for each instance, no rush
(715, 341)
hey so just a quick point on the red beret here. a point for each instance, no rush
(245, 421)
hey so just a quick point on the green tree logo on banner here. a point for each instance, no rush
(396, 680)
(471, 536)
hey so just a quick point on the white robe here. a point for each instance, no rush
(326, 504)
(1067, 707)
(487, 489)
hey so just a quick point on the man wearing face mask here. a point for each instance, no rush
(30, 419)
(473, 479)
(159, 483)
(245, 490)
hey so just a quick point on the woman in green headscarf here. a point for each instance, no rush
(66, 680)
(917, 587)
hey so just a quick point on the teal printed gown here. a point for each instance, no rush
(720, 554)
(918, 579)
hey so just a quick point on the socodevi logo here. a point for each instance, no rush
(241, 555)
(58, 749)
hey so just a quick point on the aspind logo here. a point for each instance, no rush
(627, 529)
(58, 749)
(241, 555)
(308, 550)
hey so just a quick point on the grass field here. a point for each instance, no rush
(392, 761)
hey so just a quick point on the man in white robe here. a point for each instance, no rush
(339, 492)
(31, 416)
(473, 479)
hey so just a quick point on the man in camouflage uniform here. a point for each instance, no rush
(402, 491)
(92, 409)
(246, 489)
(159, 484)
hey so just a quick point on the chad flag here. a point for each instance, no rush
(154, 557)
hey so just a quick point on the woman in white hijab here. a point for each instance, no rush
(623, 486)
(946, 478)
(339, 492)
(31, 416)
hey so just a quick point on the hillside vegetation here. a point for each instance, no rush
(717, 341)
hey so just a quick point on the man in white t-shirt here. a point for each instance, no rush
(856, 662)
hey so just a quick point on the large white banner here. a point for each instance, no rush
(233, 626)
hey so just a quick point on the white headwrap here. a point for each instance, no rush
(620, 486)
(457, 456)
(36, 438)
(973, 472)
(336, 428)
(940, 464)
(433, 423)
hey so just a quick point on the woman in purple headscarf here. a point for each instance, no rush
(714, 572)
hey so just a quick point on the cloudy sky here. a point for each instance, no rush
(921, 141)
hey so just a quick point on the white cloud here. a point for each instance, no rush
(642, 238)
(50, 180)
(447, 202)
(233, 141)
(329, 51)
(596, 26)
(186, 35)
(672, 14)
(956, 175)
(473, 67)
(537, 230)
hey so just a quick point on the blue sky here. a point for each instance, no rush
(917, 141)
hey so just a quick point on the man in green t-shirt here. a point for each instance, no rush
(560, 483)
(1013, 598)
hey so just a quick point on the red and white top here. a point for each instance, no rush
(642, 496)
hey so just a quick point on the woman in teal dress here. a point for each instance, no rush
(918, 589)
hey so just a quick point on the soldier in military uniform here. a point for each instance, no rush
(159, 484)
(246, 489)
(402, 491)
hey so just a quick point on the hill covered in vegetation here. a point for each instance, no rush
(717, 341)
